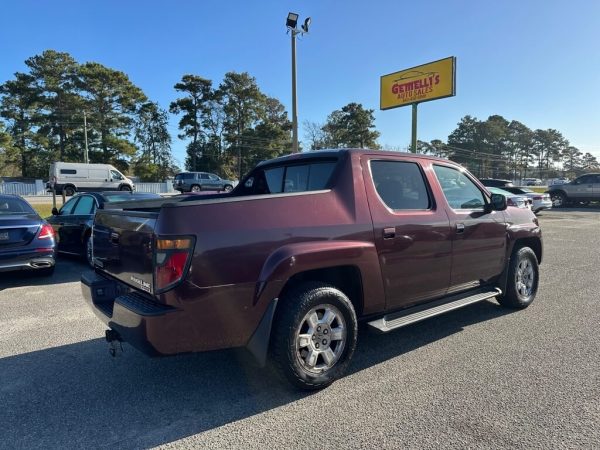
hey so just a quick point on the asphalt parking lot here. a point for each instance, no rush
(481, 377)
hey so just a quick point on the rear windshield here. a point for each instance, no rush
(299, 177)
(14, 206)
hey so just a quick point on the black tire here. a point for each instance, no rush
(125, 187)
(522, 281)
(69, 191)
(290, 325)
(228, 188)
(559, 199)
(195, 188)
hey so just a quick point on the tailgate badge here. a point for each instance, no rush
(144, 285)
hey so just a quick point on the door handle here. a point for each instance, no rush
(460, 227)
(389, 233)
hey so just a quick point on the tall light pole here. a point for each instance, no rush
(291, 23)
(87, 157)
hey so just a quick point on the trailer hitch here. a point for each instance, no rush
(115, 342)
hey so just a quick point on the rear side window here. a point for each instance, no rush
(68, 172)
(400, 185)
(184, 176)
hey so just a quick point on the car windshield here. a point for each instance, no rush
(14, 206)
(126, 197)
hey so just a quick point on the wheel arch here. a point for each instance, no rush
(351, 266)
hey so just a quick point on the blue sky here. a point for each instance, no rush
(533, 61)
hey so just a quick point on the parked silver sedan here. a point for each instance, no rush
(540, 201)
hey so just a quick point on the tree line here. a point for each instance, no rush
(49, 112)
(497, 148)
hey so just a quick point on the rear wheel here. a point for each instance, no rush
(314, 335)
(69, 191)
(195, 188)
(522, 281)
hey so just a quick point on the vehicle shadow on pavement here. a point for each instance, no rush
(68, 269)
(78, 396)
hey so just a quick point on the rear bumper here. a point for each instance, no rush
(148, 326)
(26, 260)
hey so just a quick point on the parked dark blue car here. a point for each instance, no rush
(26, 240)
(73, 223)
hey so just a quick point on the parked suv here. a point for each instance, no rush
(585, 188)
(200, 181)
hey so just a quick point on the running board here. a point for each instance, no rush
(418, 313)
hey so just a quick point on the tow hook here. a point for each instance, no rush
(115, 343)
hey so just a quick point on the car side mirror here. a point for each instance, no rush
(54, 211)
(498, 202)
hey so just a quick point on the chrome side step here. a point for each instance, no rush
(418, 313)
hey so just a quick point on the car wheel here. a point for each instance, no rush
(559, 199)
(228, 188)
(522, 281)
(125, 188)
(314, 335)
(89, 251)
(69, 191)
(195, 188)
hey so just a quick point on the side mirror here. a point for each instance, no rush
(498, 202)
(54, 211)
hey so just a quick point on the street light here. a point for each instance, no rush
(291, 24)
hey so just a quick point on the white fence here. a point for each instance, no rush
(39, 188)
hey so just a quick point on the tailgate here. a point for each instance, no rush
(123, 246)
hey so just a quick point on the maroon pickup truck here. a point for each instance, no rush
(301, 250)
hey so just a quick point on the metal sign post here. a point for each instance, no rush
(413, 141)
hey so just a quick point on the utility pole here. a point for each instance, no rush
(294, 105)
(87, 157)
(291, 23)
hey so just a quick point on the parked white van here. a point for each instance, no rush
(79, 177)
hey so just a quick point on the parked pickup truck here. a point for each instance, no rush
(301, 250)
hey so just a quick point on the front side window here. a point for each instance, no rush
(116, 175)
(68, 207)
(459, 190)
(212, 176)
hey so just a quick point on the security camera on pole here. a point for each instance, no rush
(291, 23)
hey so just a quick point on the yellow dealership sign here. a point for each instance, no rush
(419, 84)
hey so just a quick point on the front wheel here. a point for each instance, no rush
(125, 188)
(314, 335)
(522, 281)
(558, 199)
(69, 191)
(228, 188)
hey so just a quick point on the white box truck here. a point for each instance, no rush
(80, 177)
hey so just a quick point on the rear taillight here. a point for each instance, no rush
(172, 257)
(47, 232)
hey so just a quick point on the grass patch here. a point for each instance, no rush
(43, 209)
